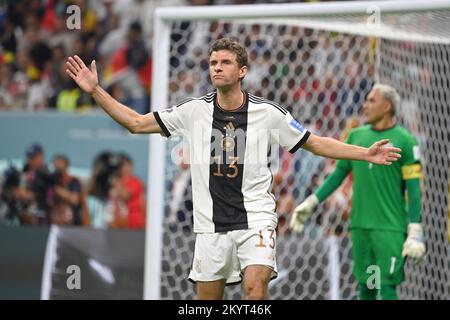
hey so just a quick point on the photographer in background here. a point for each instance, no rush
(11, 208)
(67, 200)
(34, 188)
(106, 208)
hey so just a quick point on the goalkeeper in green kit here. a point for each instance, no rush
(386, 202)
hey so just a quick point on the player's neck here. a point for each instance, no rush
(230, 99)
(383, 124)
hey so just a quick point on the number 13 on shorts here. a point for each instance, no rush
(258, 248)
(266, 238)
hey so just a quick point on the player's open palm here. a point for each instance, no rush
(380, 154)
(86, 79)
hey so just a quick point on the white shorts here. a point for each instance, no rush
(225, 255)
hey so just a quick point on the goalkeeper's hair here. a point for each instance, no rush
(233, 46)
(389, 93)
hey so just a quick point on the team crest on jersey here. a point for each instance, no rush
(228, 140)
(297, 126)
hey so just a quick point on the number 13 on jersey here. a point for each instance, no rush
(232, 169)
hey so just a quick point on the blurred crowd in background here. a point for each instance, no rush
(41, 194)
(35, 42)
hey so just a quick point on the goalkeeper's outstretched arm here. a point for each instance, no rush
(331, 183)
(87, 80)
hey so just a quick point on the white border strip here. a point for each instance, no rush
(156, 166)
(383, 31)
(49, 261)
(294, 9)
(334, 267)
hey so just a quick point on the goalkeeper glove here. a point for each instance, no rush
(302, 212)
(414, 246)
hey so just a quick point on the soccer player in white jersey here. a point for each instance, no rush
(227, 131)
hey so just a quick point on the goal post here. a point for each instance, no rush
(317, 59)
(156, 167)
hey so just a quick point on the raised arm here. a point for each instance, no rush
(332, 148)
(87, 80)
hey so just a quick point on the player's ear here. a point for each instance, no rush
(388, 106)
(243, 72)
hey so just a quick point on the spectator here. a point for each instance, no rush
(11, 207)
(7, 87)
(36, 186)
(141, 11)
(106, 208)
(62, 36)
(131, 65)
(132, 192)
(68, 203)
(21, 79)
(70, 98)
(8, 38)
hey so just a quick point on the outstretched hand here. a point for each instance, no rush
(379, 154)
(86, 79)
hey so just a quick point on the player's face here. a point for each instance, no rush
(375, 107)
(37, 161)
(60, 165)
(224, 69)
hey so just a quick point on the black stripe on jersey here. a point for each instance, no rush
(257, 100)
(209, 95)
(185, 101)
(208, 98)
(301, 142)
(276, 105)
(161, 124)
(226, 177)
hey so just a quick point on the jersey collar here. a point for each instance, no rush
(382, 130)
(242, 106)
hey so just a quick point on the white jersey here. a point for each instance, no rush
(230, 158)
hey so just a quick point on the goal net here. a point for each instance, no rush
(320, 65)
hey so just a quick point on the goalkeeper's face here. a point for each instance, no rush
(376, 107)
(224, 69)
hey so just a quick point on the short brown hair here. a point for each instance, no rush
(62, 157)
(233, 46)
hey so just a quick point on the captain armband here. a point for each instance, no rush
(412, 171)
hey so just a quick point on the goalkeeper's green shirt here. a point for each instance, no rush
(378, 200)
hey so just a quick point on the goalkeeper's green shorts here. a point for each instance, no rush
(378, 252)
